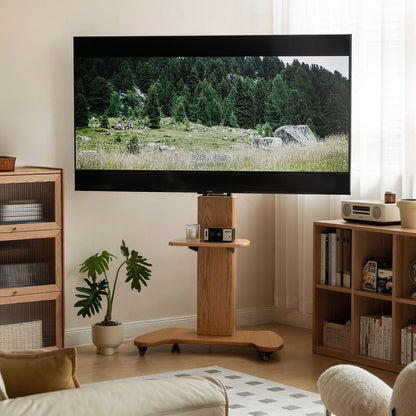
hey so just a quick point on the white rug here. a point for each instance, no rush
(254, 396)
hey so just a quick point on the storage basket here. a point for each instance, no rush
(24, 335)
(7, 163)
(337, 336)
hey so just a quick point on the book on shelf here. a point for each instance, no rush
(335, 259)
(324, 259)
(377, 276)
(376, 336)
(407, 344)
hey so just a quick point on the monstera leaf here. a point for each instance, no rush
(90, 297)
(137, 270)
(97, 264)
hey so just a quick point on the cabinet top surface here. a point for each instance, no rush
(26, 170)
(388, 229)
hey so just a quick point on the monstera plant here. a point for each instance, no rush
(98, 286)
(108, 334)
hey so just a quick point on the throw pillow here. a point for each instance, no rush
(28, 372)
(3, 393)
(349, 390)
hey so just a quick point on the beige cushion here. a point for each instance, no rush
(34, 371)
(348, 390)
(403, 399)
(175, 396)
(3, 392)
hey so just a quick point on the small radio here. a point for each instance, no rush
(219, 234)
(367, 211)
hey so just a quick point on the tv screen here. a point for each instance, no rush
(213, 114)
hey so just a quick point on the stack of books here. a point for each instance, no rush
(408, 344)
(21, 211)
(336, 258)
(376, 336)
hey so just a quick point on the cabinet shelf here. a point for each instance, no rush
(338, 304)
(31, 257)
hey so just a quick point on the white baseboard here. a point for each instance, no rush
(245, 317)
(293, 318)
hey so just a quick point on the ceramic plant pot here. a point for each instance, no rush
(407, 212)
(107, 338)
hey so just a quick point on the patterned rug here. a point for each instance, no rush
(254, 396)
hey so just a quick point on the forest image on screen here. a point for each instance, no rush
(246, 113)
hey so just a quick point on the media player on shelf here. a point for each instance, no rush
(219, 234)
(370, 211)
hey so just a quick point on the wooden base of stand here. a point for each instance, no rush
(265, 342)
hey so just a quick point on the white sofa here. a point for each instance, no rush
(191, 396)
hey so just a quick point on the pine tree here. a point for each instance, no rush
(303, 84)
(179, 113)
(145, 75)
(99, 95)
(243, 104)
(260, 99)
(81, 111)
(233, 120)
(152, 108)
(277, 105)
(114, 107)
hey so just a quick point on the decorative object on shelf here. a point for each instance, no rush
(389, 197)
(407, 209)
(98, 285)
(21, 211)
(412, 276)
(192, 232)
(7, 163)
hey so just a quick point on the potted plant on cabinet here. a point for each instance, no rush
(108, 334)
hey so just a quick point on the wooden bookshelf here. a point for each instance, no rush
(340, 304)
(31, 258)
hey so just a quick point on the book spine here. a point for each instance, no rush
(409, 348)
(332, 244)
(346, 259)
(363, 329)
(339, 261)
(403, 344)
(324, 255)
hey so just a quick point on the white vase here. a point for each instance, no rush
(107, 339)
(407, 212)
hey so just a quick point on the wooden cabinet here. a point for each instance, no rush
(340, 304)
(31, 258)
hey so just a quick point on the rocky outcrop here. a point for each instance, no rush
(266, 142)
(300, 134)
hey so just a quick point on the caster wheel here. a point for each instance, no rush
(142, 351)
(265, 356)
(175, 348)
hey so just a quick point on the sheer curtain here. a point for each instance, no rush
(383, 154)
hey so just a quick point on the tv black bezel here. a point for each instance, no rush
(275, 182)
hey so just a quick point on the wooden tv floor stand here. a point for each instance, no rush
(216, 306)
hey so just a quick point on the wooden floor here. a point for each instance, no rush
(294, 365)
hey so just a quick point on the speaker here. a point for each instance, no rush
(373, 212)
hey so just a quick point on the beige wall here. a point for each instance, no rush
(36, 126)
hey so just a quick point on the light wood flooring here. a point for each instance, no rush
(294, 365)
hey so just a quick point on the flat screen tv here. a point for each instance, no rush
(213, 114)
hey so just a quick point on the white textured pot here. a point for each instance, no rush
(107, 339)
(407, 212)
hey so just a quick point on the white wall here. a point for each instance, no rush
(36, 113)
